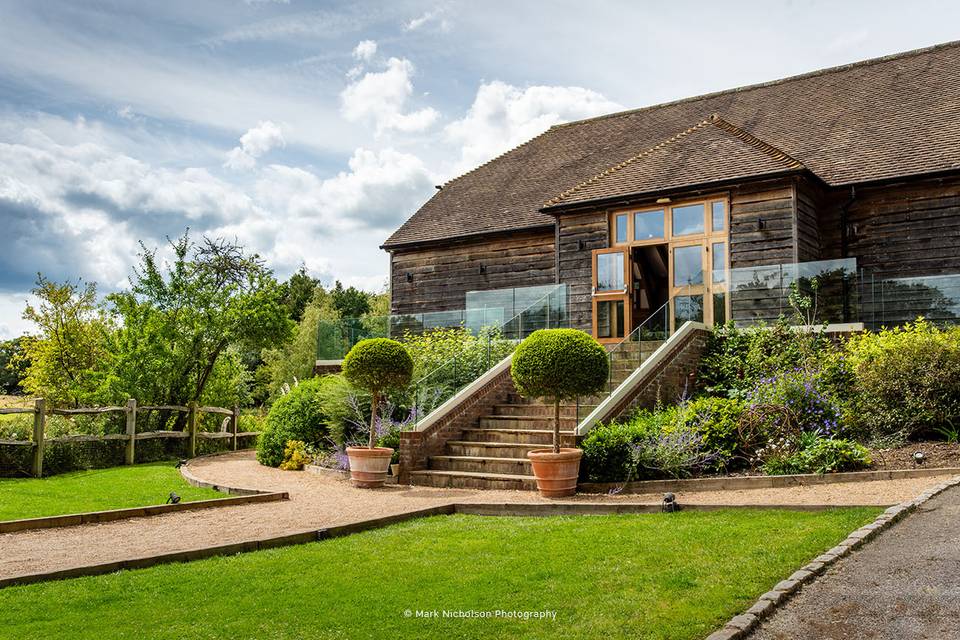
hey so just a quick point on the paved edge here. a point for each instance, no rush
(313, 535)
(743, 624)
(94, 517)
(222, 488)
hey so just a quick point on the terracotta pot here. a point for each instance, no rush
(368, 467)
(556, 473)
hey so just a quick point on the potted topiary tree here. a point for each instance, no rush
(375, 365)
(557, 365)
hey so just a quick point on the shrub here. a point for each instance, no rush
(907, 378)
(295, 456)
(377, 365)
(717, 420)
(607, 449)
(295, 416)
(805, 403)
(820, 455)
(560, 364)
(345, 408)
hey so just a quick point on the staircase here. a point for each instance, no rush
(492, 454)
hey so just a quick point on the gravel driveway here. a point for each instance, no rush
(904, 584)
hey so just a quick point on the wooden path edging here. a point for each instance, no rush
(762, 482)
(94, 517)
(315, 535)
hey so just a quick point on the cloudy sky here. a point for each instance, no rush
(310, 130)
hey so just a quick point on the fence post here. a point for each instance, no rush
(192, 427)
(39, 426)
(131, 429)
(234, 422)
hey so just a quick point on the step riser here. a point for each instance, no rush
(489, 452)
(520, 437)
(520, 423)
(527, 410)
(519, 467)
(454, 482)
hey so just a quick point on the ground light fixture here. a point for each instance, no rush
(173, 498)
(919, 457)
(670, 503)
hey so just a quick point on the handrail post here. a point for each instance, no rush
(234, 424)
(131, 430)
(39, 426)
(192, 426)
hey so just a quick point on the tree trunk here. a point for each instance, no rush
(556, 425)
(374, 403)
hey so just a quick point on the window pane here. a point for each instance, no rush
(610, 272)
(603, 320)
(610, 319)
(687, 308)
(688, 219)
(687, 266)
(647, 225)
(719, 308)
(719, 216)
(719, 261)
(622, 228)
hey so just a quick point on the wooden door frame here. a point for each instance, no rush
(611, 295)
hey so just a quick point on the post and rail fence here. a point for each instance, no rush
(230, 429)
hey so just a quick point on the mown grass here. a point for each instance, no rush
(674, 576)
(95, 490)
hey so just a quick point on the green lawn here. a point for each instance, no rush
(96, 490)
(630, 576)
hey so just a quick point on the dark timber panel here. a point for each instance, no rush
(580, 234)
(809, 200)
(441, 275)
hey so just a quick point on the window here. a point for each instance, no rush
(719, 215)
(648, 225)
(621, 230)
(610, 319)
(719, 250)
(719, 308)
(687, 266)
(610, 272)
(687, 308)
(688, 220)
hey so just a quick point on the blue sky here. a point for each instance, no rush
(310, 130)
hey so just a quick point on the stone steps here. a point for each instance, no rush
(477, 464)
(541, 437)
(473, 480)
(525, 422)
(463, 448)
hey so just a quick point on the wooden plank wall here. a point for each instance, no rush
(442, 274)
(809, 201)
(580, 234)
(774, 243)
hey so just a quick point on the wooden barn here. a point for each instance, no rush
(854, 167)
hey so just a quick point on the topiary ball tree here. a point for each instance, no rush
(377, 365)
(559, 364)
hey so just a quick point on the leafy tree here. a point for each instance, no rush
(180, 321)
(68, 357)
(13, 365)
(298, 291)
(350, 302)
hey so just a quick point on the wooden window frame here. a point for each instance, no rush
(706, 240)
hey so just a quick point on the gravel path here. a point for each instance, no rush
(318, 501)
(904, 584)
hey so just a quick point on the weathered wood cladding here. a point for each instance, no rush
(896, 230)
(809, 198)
(762, 224)
(441, 275)
(579, 234)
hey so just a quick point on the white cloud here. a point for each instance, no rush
(503, 116)
(253, 144)
(381, 98)
(365, 50)
(433, 15)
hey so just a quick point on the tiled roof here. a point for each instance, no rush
(883, 118)
(711, 151)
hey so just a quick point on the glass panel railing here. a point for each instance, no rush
(628, 354)
(803, 293)
(894, 301)
(492, 344)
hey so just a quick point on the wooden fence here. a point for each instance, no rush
(40, 412)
